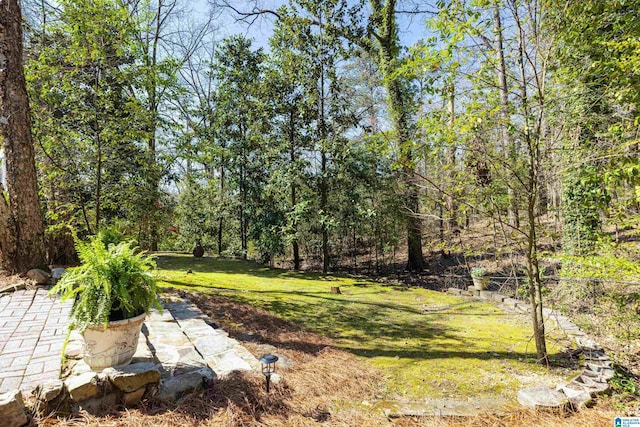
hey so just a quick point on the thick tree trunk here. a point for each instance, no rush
(400, 111)
(22, 233)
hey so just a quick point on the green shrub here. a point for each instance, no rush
(112, 282)
(478, 272)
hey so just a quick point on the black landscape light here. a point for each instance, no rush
(268, 362)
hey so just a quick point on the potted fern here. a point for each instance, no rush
(113, 290)
(480, 278)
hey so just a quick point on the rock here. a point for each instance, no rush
(542, 398)
(454, 291)
(577, 398)
(227, 362)
(175, 387)
(74, 350)
(13, 287)
(83, 386)
(587, 343)
(592, 385)
(39, 276)
(12, 411)
(498, 297)
(511, 302)
(80, 367)
(133, 398)
(486, 294)
(57, 273)
(179, 360)
(249, 337)
(51, 399)
(595, 355)
(133, 377)
(601, 374)
(275, 378)
(49, 390)
(97, 405)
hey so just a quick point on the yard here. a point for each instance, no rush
(427, 344)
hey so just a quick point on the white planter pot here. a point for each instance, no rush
(114, 345)
(480, 283)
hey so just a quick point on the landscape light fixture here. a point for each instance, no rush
(268, 362)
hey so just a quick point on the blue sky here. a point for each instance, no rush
(411, 27)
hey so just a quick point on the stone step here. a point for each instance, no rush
(542, 398)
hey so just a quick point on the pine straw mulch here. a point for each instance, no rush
(325, 386)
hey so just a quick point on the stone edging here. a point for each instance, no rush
(597, 368)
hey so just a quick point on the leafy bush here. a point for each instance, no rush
(113, 282)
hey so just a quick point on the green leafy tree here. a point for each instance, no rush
(374, 29)
(89, 125)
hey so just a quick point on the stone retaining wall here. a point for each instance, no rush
(597, 366)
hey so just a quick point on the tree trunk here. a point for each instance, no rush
(533, 270)
(324, 209)
(22, 237)
(507, 144)
(323, 168)
(400, 111)
(292, 158)
(221, 219)
(452, 206)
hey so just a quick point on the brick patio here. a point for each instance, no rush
(32, 332)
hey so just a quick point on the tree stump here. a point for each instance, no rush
(335, 290)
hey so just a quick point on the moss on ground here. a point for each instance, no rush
(429, 344)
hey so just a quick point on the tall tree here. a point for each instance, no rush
(377, 34)
(88, 123)
(238, 71)
(22, 235)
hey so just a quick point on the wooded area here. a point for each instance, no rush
(335, 147)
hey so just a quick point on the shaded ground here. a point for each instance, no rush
(426, 343)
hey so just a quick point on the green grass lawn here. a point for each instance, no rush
(429, 344)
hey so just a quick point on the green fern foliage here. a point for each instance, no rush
(113, 279)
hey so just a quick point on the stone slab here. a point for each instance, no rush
(12, 410)
(542, 398)
(83, 386)
(174, 387)
(132, 377)
(227, 362)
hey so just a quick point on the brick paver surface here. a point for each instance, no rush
(32, 331)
